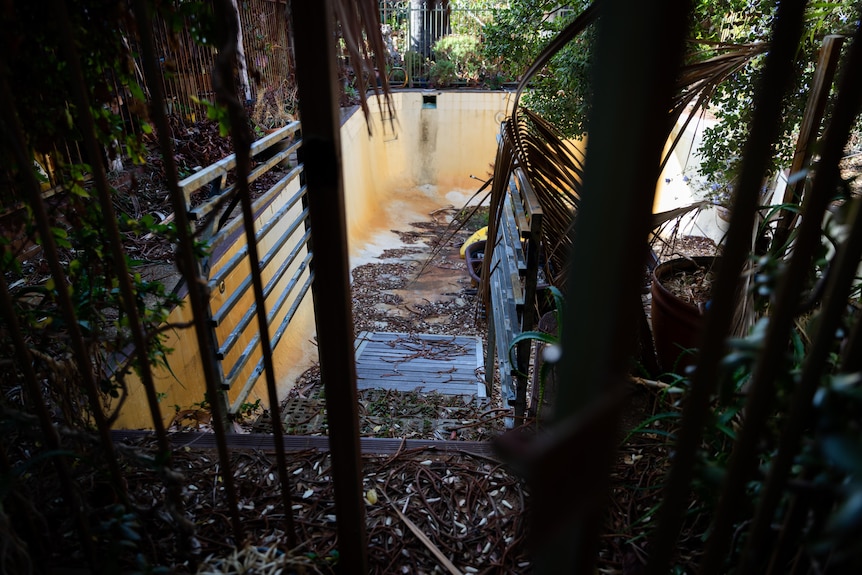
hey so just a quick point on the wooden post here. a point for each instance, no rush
(316, 74)
(240, 56)
(638, 50)
(811, 118)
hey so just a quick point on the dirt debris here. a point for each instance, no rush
(420, 288)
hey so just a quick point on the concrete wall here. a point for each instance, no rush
(424, 151)
(674, 191)
(425, 157)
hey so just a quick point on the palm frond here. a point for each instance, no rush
(359, 23)
(699, 79)
(554, 165)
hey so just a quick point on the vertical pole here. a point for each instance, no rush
(241, 136)
(314, 42)
(830, 51)
(764, 129)
(240, 56)
(639, 48)
(11, 131)
(841, 277)
(79, 95)
(188, 263)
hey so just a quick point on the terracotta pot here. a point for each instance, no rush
(676, 324)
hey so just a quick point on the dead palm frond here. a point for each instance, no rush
(553, 165)
(456, 225)
(359, 23)
(699, 79)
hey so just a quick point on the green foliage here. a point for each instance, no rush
(739, 21)
(351, 92)
(119, 533)
(836, 466)
(40, 79)
(442, 73)
(464, 51)
(249, 410)
(560, 93)
(415, 64)
(828, 463)
(552, 341)
(216, 112)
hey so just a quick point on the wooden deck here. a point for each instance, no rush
(451, 365)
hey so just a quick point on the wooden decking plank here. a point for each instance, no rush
(391, 357)
(419, 375)
(410, 350)
(391, 335)
(417, 371)
(414, 364)
(371, 377)
(428, 388)
(410, 383)
(407, 355)
(404, 362)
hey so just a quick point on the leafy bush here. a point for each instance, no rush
(414, 63)
(560, 93)
(464, 51)
(442, 73)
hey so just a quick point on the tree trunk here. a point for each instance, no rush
(240, 56)
(429, 21)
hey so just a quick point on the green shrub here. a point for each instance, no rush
(443, 73)
(465, 51)
(414, 63)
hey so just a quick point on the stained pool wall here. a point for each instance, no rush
(438, 144)
(436, 141)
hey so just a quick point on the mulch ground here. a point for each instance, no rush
(432, 491)
(469, 507)
(495, 545)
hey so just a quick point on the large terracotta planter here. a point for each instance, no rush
(676, 324)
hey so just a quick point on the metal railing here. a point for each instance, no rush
(411, 33)
(285, 232)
